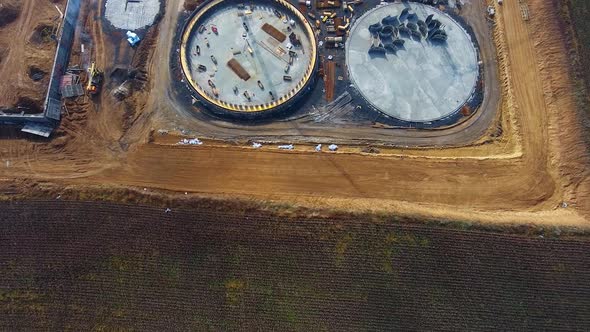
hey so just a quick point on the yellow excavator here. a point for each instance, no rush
(95, 77)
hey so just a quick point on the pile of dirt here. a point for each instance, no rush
(73, 120)
(36, 73)
(24, 105)
(558, 58)
(42, 34)
(29, 105)
(191, 5)
(9, 11)
(370, 149)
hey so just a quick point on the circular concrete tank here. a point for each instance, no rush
(422, 80)
(248, 59)
(131, 15)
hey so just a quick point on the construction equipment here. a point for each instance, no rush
(95, 77)
(132, 38)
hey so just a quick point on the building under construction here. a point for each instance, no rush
(412, 62)
(248, 60)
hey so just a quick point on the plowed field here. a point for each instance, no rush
(82, 266)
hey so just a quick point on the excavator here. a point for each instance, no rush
(95, 78)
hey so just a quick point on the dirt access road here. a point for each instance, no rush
(526, 182)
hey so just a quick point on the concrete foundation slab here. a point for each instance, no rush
(231, 44)
(423, 81)
(131, 15)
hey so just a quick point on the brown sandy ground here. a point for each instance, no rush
(26, 48)
(525, 177)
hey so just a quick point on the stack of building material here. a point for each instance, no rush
(238, 69)
(70, 86)
(276, 34)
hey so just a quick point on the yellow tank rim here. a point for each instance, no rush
(187, 33)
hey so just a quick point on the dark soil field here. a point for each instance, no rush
(100, 266)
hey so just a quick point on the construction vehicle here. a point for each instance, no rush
(132, 38)
(95, 78)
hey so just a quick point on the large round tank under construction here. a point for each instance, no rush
(413, 62)
(248, 60)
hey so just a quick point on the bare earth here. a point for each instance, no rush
(26, 43)
(524, 176)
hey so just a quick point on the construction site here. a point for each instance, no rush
(467, 115)
(352, 79)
